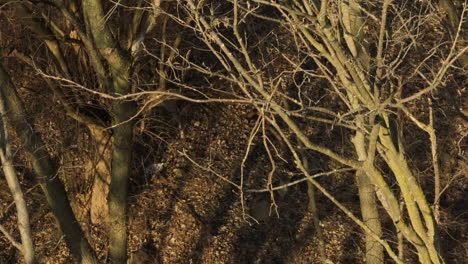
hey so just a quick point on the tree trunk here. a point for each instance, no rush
(369, 209)
(370, 216)
(24, 225)
(122, 110)
(312, 207)
(121, 159)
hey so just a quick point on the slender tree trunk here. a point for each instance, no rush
(24, 225)
(312, 207)
(46, 172)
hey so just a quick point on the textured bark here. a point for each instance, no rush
(46, 172)
(121, 159)
(370, 216)
(368, 204)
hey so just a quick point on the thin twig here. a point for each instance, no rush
(11, 238)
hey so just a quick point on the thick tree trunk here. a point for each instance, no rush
(46, 172)
(122, 111)
(121, 160)
(369, 209)
(370, 216)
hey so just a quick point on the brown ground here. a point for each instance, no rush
(185, 214)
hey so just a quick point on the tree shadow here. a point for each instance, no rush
(212, 223)
(274, 239)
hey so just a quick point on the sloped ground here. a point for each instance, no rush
(186, 214)
(189, 215)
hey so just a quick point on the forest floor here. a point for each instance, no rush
(186, 213)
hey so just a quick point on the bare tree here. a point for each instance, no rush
(335, 35)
